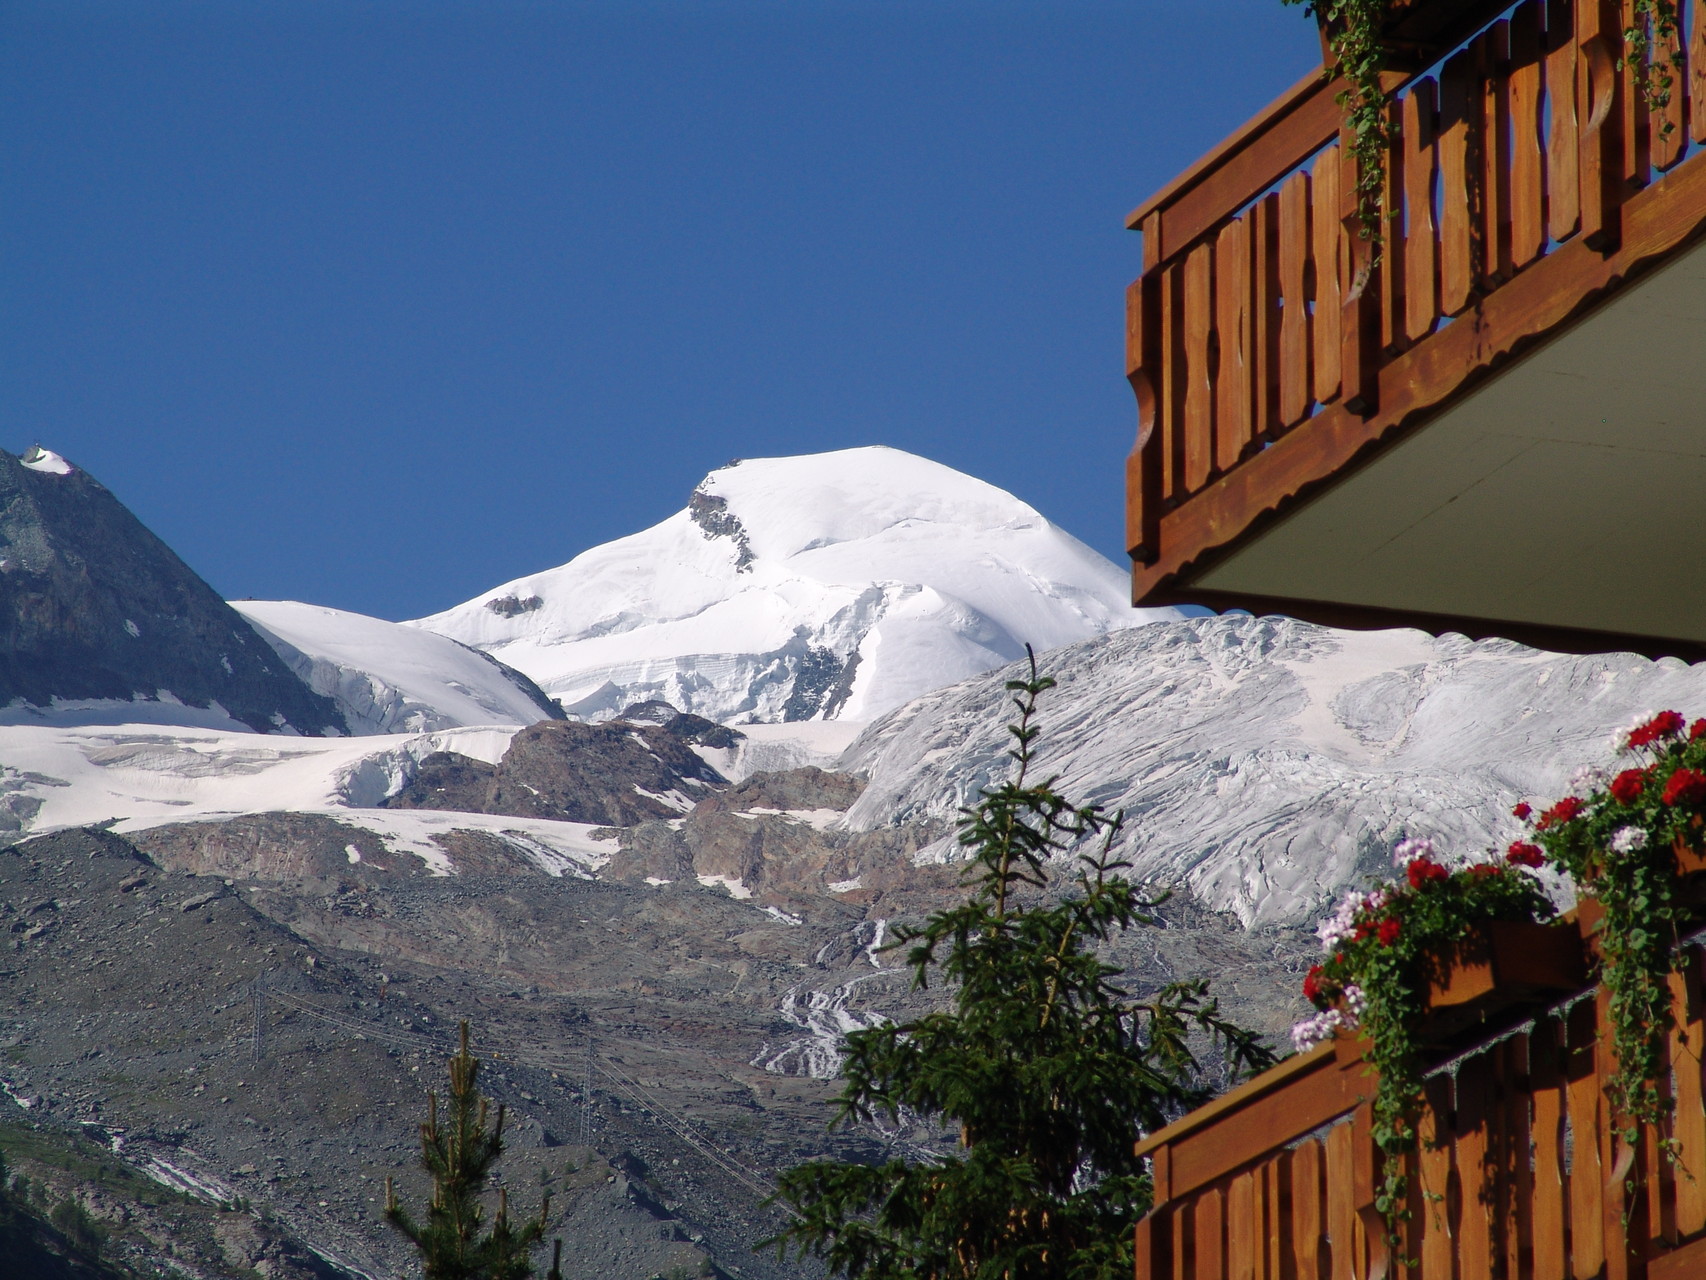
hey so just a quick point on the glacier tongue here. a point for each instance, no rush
(830, 586)
(1263, 763)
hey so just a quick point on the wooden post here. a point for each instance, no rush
(1359, 331)
(1599, 95)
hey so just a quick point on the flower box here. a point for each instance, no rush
(1501, 966)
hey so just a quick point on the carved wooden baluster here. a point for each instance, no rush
(1342, 1226)
(1587, 1173)
(1514, 1214)
(1242, 1241)
(1528, 175)
(1696, 74)
(1635, 118)
(1310, 1259)
(1476, 1228)
(1325, 214)
(1234, 400)
(1208, 1222)
(1599, 98)
(1668, 129)
(1688, 1048)
(1459, 121)
(1199, 367)
(1563, 138)
(1359, 329)
(1546, 1083)
(1295, 322)
(1431, 1218)
(1395, 255)
(1421, 234)
(1144, 466)
(1492, 59)
(1170, 415)
(1265, 319)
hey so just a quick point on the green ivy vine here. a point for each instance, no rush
(1354, 32)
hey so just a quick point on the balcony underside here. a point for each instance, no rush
(1562, 502)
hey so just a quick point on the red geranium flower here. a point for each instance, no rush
(1364, 928)
(1481, 870)
(1563, 811)
(1627, 786)
(1697, 730)
(1686, 786)
(1422, 870)
(1666, 724)
(1522, 810)
(1312, 984)
(1523, 854)
(1388, 932)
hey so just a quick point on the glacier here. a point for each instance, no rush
(827, 586)
(1264, 764)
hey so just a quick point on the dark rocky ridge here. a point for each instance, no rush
(615, 774)
(93, 605)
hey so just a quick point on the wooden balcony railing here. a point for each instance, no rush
(1520, 1172)
(1527, 178)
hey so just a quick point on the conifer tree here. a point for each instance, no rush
(1049, 1070)
(459, 1152)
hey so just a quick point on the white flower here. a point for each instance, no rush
(1340, 924)
(1628, 839)
(1415, 847)
(1356, 1000)
(1589, 778)
(1620, 739)
(1312, 1030)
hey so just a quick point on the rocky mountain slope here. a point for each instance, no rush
(95, 608)
(829, 586)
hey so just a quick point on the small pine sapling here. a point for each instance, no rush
(1049, 1070)
(459, 1152)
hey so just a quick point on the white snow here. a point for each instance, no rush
(46, 461)
(735, 888)
(147, 774)
(922, 574)
(387, 677)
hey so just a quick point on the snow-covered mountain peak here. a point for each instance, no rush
(827, 586)
(784, 507)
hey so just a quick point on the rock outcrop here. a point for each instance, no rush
(94, 606)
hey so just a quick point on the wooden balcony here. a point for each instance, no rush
(1500, 428)
(1519, 1173)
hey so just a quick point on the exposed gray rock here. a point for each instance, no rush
(94, 606)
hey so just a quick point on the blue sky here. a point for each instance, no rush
(378, 304)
